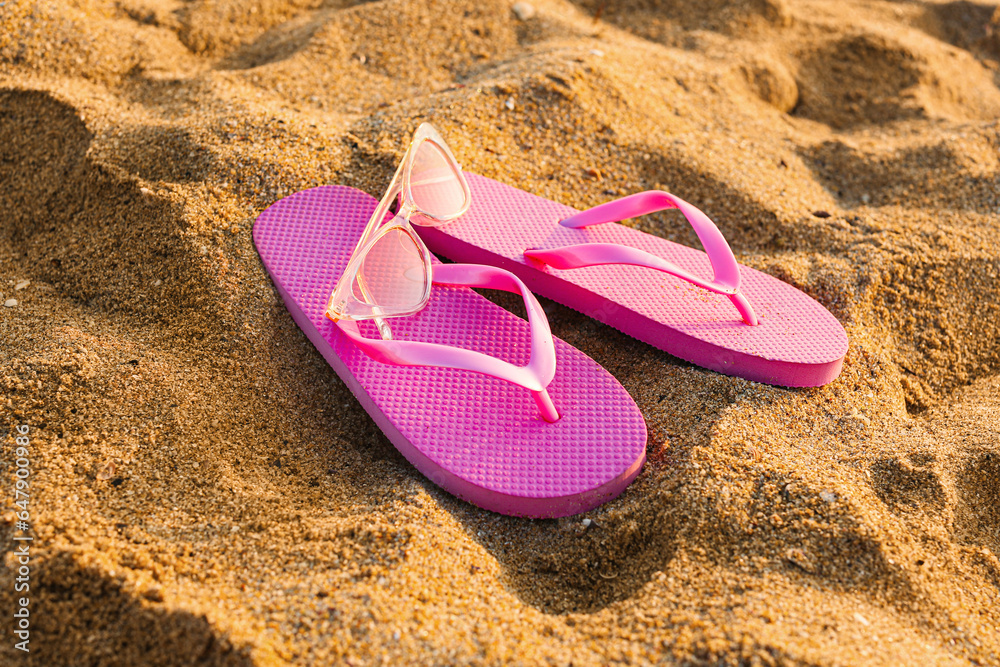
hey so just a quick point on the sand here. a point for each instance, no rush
(204, 490)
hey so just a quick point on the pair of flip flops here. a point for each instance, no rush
(437, 384)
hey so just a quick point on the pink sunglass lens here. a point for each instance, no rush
(434, 182)
(392, 273)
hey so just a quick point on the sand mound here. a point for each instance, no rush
(206, 491)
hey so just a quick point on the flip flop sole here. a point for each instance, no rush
(477, 437)
(798, 342)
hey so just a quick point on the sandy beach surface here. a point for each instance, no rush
(205, 490)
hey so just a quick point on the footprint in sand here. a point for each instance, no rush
(977, 517)
(872, 78)
(906, 486)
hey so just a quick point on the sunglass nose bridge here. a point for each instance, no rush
(383, 329)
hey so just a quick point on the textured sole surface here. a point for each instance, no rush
(798, 342)
(477, 437)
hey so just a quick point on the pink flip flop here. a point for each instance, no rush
(742, 322)
(482, 438)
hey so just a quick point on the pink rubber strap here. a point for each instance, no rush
(535, 376)
(727, 273)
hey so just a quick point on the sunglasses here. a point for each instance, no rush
(389, 272)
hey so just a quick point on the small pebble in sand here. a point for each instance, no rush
(821, 214)
(146, 191)
(10, 303)
(861, 619)
(509, 104)
(586, 523)
(523, 11)
(153, 594)
(594, 173)
(801, 560)
(107, 471)
(157, 282)
(22, 285)
(859, 416)
(828, 496)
